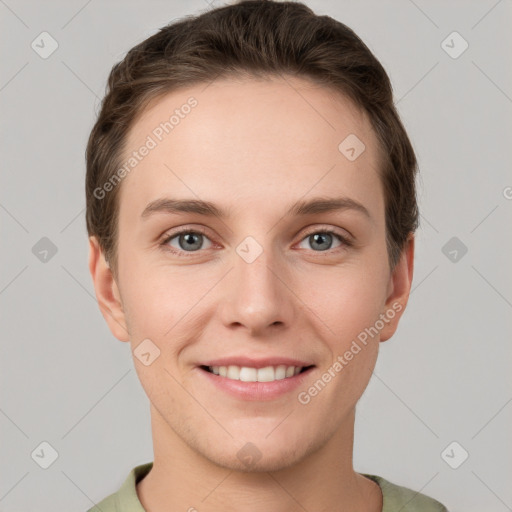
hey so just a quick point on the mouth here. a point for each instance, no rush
(251, 374)
(254, 378)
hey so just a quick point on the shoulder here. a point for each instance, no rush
(398, 497)
(107, 504)
(125, 499)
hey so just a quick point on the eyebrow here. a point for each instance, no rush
(300, 208)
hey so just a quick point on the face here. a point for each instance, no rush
(271, 273)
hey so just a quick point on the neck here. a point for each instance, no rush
(324, 480)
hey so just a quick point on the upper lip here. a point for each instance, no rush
(255, 363)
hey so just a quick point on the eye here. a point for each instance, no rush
(321, 240)
(185, 240)
(189, 241)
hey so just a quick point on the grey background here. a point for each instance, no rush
(445, 375)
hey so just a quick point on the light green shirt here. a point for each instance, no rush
(395, 497)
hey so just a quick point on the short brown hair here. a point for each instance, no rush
(255, 38)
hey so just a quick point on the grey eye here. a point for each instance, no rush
(189, 241)
(322, 240)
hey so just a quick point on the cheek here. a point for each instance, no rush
(152, 297)
(347, 301)
(170, 308)
(350, 310)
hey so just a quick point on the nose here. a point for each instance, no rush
(257, 295)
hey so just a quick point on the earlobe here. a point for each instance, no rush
(398, 290)
(107, 291)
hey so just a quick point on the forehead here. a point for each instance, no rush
(239, 142)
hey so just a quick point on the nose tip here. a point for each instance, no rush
(258, 299)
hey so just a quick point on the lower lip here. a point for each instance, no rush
(261, 391)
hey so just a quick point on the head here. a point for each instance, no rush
(256, 109)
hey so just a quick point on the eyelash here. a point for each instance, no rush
(344, 240)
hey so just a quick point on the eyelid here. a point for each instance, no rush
(184, 229)
(327, 228)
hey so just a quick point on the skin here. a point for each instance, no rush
(253, 147)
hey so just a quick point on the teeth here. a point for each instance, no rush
(280, 372)
(247, 374)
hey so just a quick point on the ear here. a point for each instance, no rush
(399, 287)
(107, 291)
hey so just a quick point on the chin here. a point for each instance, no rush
(250, 459)
(258, 453)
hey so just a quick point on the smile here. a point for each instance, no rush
(248, 383)
(250, 374)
